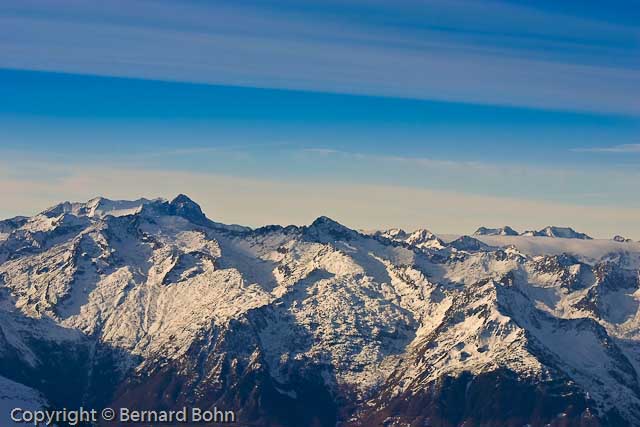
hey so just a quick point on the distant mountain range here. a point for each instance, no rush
(549, 231)
(149, 304)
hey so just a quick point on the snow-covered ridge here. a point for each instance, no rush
(559, 232)
(421, 238)
(100, 207)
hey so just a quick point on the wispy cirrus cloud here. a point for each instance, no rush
(322, 151)
(448, 165)
(204, 150)
(623, 148)
(463, 51)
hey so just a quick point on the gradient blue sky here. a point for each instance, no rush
(445, 114)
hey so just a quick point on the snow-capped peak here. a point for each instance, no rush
(420, 238)
(392, 234)
(423, 238)
(559, 232)
(502, 231)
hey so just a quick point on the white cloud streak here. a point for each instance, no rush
(623, 148)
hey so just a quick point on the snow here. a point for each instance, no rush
(421, 238)
(360, 308)
(559, 232)
(502, 231)
(101, 207)
(14, 395)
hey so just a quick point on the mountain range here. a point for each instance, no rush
(149, 304)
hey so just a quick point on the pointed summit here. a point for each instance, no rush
(325, 220)
(183, 199)
(324, 228)
(183, 206)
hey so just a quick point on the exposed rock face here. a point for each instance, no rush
(151, 305)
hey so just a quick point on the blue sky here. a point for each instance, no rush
(517, 112)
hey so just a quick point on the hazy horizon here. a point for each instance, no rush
(225, 218)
